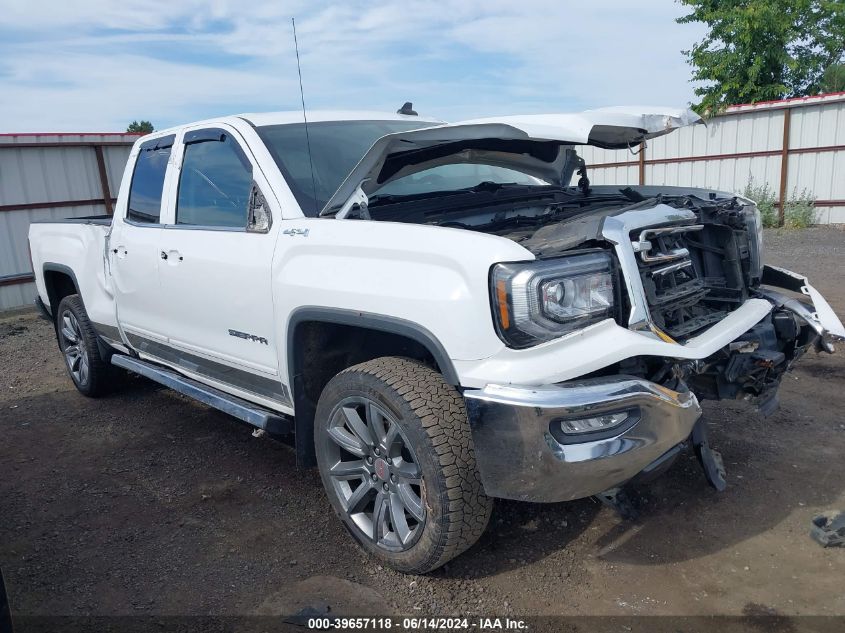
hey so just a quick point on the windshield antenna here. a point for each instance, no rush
(305, 116)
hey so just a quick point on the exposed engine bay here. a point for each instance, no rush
(694, 272)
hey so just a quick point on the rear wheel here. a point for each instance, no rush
(396, 458)
(91, 373)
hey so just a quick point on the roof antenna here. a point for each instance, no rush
(407, 109)
(305, 116)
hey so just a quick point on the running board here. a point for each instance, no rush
(236, 407)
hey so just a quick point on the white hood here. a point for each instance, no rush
(535, 144)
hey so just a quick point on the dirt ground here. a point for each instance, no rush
(147, 503)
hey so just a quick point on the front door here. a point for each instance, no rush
(215, 265)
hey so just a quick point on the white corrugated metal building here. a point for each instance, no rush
(791, 145)
(51, 176)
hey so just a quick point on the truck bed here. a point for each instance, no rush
(74, 248)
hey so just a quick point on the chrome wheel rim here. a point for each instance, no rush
(373, 471)
(76, 356)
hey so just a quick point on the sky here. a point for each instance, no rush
(96, 65)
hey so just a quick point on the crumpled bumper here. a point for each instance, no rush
(517, 437)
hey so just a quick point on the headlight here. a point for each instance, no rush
(754, 226)
(541, 300)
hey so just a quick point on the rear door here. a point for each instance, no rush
(215, 265)
(134, 243)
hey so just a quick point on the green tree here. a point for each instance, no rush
(140, 127)
(759, 50)
(833, 79)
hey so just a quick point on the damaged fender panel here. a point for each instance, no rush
(824, 316)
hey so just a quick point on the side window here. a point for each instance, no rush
(148, 181)
(215, 181)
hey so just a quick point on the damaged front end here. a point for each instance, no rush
(631, 304)
(689, 263)
(699, 317)
(752, 367)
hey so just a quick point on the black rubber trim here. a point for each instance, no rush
(304, 408)
(59, 268)
(161, 142)
(370, 321)
(214, 134)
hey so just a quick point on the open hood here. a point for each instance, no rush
(536, 144)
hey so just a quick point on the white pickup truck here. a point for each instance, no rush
(433, 312)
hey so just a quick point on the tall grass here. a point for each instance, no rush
(766, 201)
(799, 211)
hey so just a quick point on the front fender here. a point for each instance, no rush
(824, 320)
(434, 277)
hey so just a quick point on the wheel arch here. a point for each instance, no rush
(59, 281)
(337, 336)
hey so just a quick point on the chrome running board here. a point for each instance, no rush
(236, 407)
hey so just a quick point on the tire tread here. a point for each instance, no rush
(442, 414)
(101, 371)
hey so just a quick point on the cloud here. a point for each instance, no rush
(97, 64)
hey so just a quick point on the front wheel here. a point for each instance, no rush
(396, 458)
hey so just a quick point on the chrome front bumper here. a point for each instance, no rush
(519, 458)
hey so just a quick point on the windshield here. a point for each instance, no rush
(454, 177)
(336, 147)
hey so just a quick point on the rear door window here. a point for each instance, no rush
(215, 181)
(148, 181)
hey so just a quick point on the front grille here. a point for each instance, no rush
(677, 293)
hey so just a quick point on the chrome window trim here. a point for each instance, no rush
(617, 229)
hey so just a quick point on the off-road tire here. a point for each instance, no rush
(100, 377)
(432, 417)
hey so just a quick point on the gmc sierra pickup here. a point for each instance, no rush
(435, 313)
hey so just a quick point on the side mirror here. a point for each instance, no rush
(259, 219)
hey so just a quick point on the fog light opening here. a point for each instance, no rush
(594, 424)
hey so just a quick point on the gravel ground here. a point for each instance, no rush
(145, 502)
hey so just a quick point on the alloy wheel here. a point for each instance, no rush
(375, 474)
(76, 355)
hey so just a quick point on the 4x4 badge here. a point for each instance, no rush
(292, 232)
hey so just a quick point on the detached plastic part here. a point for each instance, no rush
(829, 529)
(619, 500)
(710, 460)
